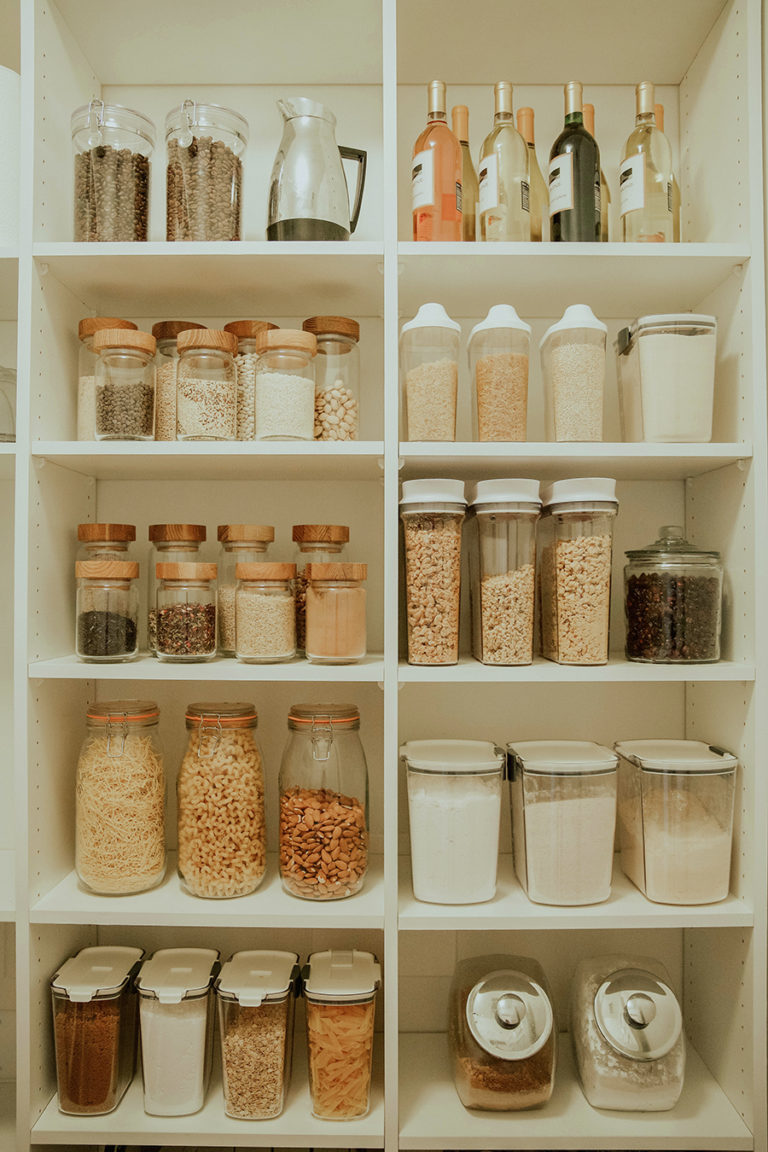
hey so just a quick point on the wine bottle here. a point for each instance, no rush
(659, 110)
(539, 197)
(460, 125)
(504, 195)
(436, 175)
(605, 192)
(645, 176)
(574, 176)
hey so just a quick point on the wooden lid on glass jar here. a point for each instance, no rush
(320, 534)
(168, 533)
(267, 570)
(92, 324)
(333, 326)
(215, 339)
(89, 532)
(244, 533)
(107, 569)
(291, 338)
(170, 329)
(124, 338)
(338, 571)
(185, 570)
(249, 329)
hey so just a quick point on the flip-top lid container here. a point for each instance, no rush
(431, 316)
(257, 977)
(676, 756)
(461, 757)
(578, 493)
(500, 492)
(340, 975)
(561, 757)
(95, 973)
(433, 492)
(171, 975)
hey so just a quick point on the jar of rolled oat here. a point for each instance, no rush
(169, 544)
(186, 612)
(86, 370)
(432, 512)
(105, 541)
(206, 388)
(125, 384)
(319, 544)
(285, 385)
(429, 369)
(220, 793)
(323, 786)
(265, 613)
(166, 333)
(336, 601)
(502, 566)
(337, 377)
(246, 332)
(204, 177)
(575, 550)
(498, 351)
(573, 365)
(238, 544)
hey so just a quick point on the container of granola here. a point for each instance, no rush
(429, 367)
(499, 350)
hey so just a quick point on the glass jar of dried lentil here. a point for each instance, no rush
(86, 370)
(125, 384)
(220, 792)
(105, 541)
(246, 332)
(238, 544)
(169, 544)
(186, 612)
(320, 544)
(337, 377)
(107, 611)
(206, 388)
(285, 385)
(204, 177)
(265, 614)
(166, 333)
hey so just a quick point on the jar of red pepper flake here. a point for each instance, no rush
(186, 612)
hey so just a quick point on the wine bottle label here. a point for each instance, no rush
(423, 180)
(525, 195)
(598, 202)
(670, 201)
(632, 183)
(561, 183)
(488, 179)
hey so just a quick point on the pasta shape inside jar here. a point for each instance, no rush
(340, 1040)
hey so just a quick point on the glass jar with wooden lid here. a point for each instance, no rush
(170, 544)
(105, 541)
(320, 544)
(206, 388)
(86, 370)
(166, 333)
(285, 385)
(246, 332)
(337, 377)
(125, 384)
(186, 612)
(336, 631)
(107, 611)
(238, 544)
(265, 618)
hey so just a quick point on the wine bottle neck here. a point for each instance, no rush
(574, 118)
(645, 119)
(502, 117)
(437, 117)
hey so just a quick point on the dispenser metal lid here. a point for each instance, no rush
(509, 1015)
(638, 1014)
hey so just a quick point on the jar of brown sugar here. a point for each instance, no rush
(336, 632)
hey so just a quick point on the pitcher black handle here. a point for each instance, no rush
(362, 159)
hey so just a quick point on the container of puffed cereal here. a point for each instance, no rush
(220, 792)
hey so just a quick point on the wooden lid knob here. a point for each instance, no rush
(292, 338)
(168, 533)
(170, 329)
(90, 532)
(320, 533)
(333, 325)
(214, 338)
(107, 569)
(249, 329)
(124, 338)
(91, 324)
(186, 570)
(242, 533)
(340, 571)
(267, 570)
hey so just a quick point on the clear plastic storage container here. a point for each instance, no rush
(676, 800)
(95, 1029)
(169, 544)
(502, 567)
(247, 332)
(575, 549)
(336, 613)
(337, 377)
(429, 369)
(627, 1034)
(340, 990)
(204, 177)
(112, 147)
(666, 370)
(265, 613)
(256, 992)
(284, 390)
(166, 333)
(105, 541)
(206, 386)
(238, 544)
(316, 543)
(563, 798)
(573, 366)
(107, 612)
(454, 804)
(125, 384)
(175, 988)
(502, 1033)
(186, 612)
(499, 350)
(86, 370)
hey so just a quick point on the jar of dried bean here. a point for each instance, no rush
(337, 377)
(285, 385)
(336, 599)
(204, 177)
(498, 350)
(169, 544)
(238, 544)
(429, 369)
(186, 612)
(432, 512)
(265, 613)
(246, 332)
(320, 544)
(112, 148)
(502, 566)
(107, 611)
(206, 388)
(575, 549)
(125, 384)
(573, 366)
(105, 541)
(323, 803)
(167, 360)
(86, 371)
(220, 794)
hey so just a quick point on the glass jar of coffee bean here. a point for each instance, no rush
(125, 385)
(205, 173)
(112, 149)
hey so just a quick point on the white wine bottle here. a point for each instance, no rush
(659, 110)
(460, 125)
(605, 192)
(503, 175)
(539, 195)
(645, 176)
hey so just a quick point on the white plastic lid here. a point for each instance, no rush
(172, 974)
(341, 975)
(674, 319)
(253, 977)
(506, 492)
(563, 757)
(585, 489)
(676, 755)
(431, 316)
(433, 492)
(500, 316)
(95, 972)
(459, 756)
(575, 316)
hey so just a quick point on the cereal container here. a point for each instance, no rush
(105, 541)
(563, 798)
(575, 547)
(247, 332)
(323, 787)
(204, 177)
(166, 332)
(627, 1034)
(502, 565)
(222, 835)
(256, 992)
(107, 611)
(335, 610)
(498, 350)
(501, 1033)
(238, 544)
(432, 512)
(169, 544)
(573, 365)
(175, 988)
(337, 377)
(265, 613)
(125, 385)
(86, 370)
(316, 543)
(676, 800)
(95, 1029)
(186, 612)
(340, 990)
(284, 388)
(112, 148)
(429, 370)
(206, 387)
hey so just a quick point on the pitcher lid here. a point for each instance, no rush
(292, 106)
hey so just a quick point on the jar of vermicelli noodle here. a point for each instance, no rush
(222, 836)
(120, 799)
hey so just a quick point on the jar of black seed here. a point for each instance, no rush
(125, 385)
(186, 612)
(107, 611)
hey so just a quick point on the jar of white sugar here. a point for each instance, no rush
(498, 350)
(454, 803)
(573, 365)
(238, 544)
(206, 387)
(337, 377)
(175, 988)
(429, 370)
(246, 332)
(86, 370)
(265, 613)
(166, 333)
(285, 385)
(563, 819)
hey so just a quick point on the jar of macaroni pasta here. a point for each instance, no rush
(125, 384)
(86, 370)
(238, 544)
(186, 612)
(166, 333)
(247, 332)
(285, 385)
(337, 377)
(206, 386)
(265, 613)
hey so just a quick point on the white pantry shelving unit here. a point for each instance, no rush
(369, 60)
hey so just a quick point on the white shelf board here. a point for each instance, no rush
(269, 460)
(617, 670)
(169, 905)
(7, 885)
(511, 908)
(7, 461)
(551, 461)
(9, 283)
(129, 1124)
(244, 278)
(616, 280)
(223, 669)
(432, 1116)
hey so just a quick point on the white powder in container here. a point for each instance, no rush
(677, 378)
(454, 836)
(284, 407)
(173, 1046)
(568, 846)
